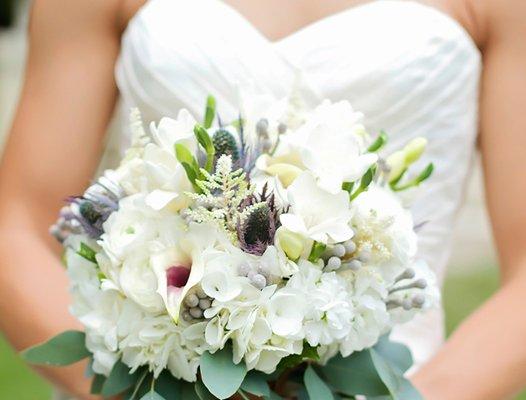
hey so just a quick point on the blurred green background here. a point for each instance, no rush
(463, 292)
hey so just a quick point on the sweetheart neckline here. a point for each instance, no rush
(328, 18)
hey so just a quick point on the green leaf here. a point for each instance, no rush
(380, 142)
(202, 391)
(389, 375)
(425, 174)
(309, 353)
(188, 392)
(256, 383)
(219, 373)
(64, 349)
(354, 375)
(396, 353)
(97, 383)
(274, 396)
(88, 372)
(183, 155)
(210, 111)
(317, 251)
(348, 186)
(119, 380)
(392, 374)
(316, 388)
(88, 253)
(168, 386)
(152, 396)
(205, 141)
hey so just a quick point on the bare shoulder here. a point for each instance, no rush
(494, 21)
(128, 9)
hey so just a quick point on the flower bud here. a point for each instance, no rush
(291, 243)
(414, 149)
(396, 164)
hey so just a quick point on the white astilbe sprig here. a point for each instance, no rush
(223, 193)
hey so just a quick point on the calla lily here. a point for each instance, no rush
(192, 251)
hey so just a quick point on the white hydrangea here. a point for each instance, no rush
(328, 312)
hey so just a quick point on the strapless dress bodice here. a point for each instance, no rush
(411, 69)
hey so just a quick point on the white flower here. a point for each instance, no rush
(139, 282)
(383, 230)
(286, 312)
(328, 310)
(331, 145)
(367, 291)
(156, 342)
(154, 168)
(317, 214)
(190, 250)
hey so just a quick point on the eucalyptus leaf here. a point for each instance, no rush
(64, 349)
(97, 383)
(316, 388)
(256, 383)
(396, 353)
(168, 386)
(152, 396)
(202, 392)
(219, 373)
(354, 375)
(119, 380)
(399, 387)
(390, 376)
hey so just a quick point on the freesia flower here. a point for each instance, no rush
(317, 214)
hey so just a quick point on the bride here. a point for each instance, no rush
(414, 69)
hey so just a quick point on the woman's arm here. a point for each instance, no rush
(53, 150)
(485, 359)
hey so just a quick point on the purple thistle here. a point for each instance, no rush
(87, 213)
(257, 231)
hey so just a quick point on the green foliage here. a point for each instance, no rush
(256, 383)
(354, 375)
(316, 388)
(64, 349)
(88, 253)
(365, 181)
(203, 138)
(189, 163)
(309, 353)
(220, 375)
(423, 176)
(152, 396)
(375, 373)
(210, 111)
(97, 383)
(220, 197)
(316, 251)
(119, 380)
(380, 142)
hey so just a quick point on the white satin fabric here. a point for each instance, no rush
(413, 71)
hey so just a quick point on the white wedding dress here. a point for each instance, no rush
(413, 71)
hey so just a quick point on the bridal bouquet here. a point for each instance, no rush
(266, 257)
